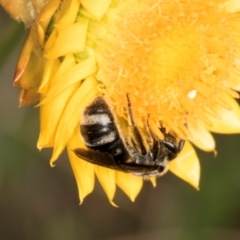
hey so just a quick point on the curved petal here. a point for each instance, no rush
(76, 34)
(129, 183)
(50, 69)
(186, 166)
(67, 14)
(44, 18)
(153, 181)
(83, 171)
(50, 115)
(28, 96)
(229, 119)
(23, 59)
(73, 76)
(107, 178)
(69, 120)
(233, 81)
(66, 65)
(200, 136)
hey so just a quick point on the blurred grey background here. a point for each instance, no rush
(40, 202)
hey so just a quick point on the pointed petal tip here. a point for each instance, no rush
(27, 97)
(81, 200)
(153, 181)
(18, 73)
(215, 153)
(196, 186)
(113, 204)
(52, 163)
(131, 185)
(186, 166)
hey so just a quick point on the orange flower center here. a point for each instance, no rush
(172, 58)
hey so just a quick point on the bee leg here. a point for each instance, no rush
(150, 134)
(152, 141)
(163, 131)
(136, 133)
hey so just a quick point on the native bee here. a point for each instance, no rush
(109, 147)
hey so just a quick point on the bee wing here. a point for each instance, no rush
(106, 160)
(103, 159)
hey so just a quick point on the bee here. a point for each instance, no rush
(108, 146)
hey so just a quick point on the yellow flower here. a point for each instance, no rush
(178, 60)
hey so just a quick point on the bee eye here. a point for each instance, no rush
(170, 146)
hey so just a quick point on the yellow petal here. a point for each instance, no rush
(50, 115)
(68, 13)
(50, 41)
(200, 136)
(153, 181)
(229, 120)
(233, 81)
(96, 7)
(107, 178)
(74, 75)
(186, 166)
(129, 183)
(49, 71)
(83, 171)
(44, 18)
(69, 40)
(65, 18)
(70, 117)
(48, 79)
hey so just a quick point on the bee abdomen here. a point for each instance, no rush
(99, 130)
(97, 134)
